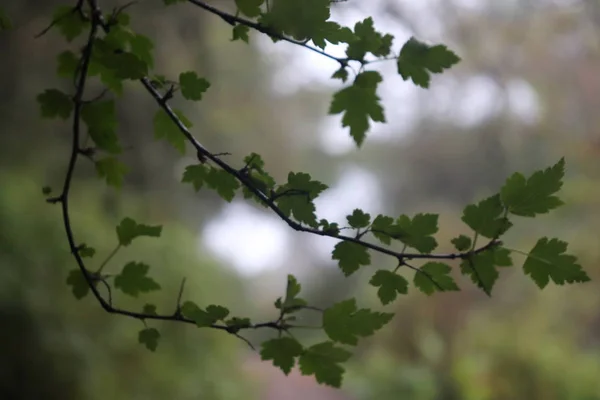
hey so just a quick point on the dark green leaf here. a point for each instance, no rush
(283, 351)
(69, 22)
(438, 273)
(390, 284)
(128, 230)
(358, 219)
(382, 228)
(79, 285)
(240, 32)
(112, 170)
(481, 267)
(149, 309)
(101, 120)
(529, 197)
(149, 337)
(165, 128)
(343, 323)
(461, 243)
(54, 103)
(417, 232)
(297, 195)
(250, 8)
(323, 361)
(417, 60)
(350, 256)
(67, 64)
(133, 279)
(487, 217)
(547, 260)
(223, 182)
(196, 175)
(192, 86)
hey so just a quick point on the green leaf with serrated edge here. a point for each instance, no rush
(359, 219)
(350, 256)
(300, 20)
(331, 228)
(165, 128)
(344, 323)
(196, 175)
(282, 351)
(461, 243)
(529, 197)
(133, 279)
(382, 228)
(291, 303)
(67, 64)
(149, 309)
(203, 318)
(487, 217)
(250, 8)
(141, 46)
(128, 230)
(548, 261)
(481, 267)
(125, 65)
(323, 361)
(439, 273)
(418, 60)
(149, 338)
(417, 232)
(240, 32)
(79, 285)
(192, 86)
(359, 103)
(223, 182)
(390, 284)
(331, 32)
(69, 22)
(55, 104)
(297, 195)
(86, 252)
(368, 40)
(112, 170)
(101, 120)
(217, 312)
(341, 73)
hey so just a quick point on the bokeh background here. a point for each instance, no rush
(526, 93)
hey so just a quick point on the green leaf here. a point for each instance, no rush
(192, 86)
(331, 228)
(238, 323)
(359, 103)
(128, 230)
(196, 175)
(368, 40)
(55, 104)
(69, 22)
(390, 285)
(133, 279)
(417, 232)
(529, 197)
(101, 120)
(417, 60)
(487, 217)
(323, 361)
(149, 309)
(481, 267)
(358, 219)
(283, 351)
(223, 182)
(298, 19)
(350, 256)
(461, 243)
(112, 170)
(341, 73)
(547, 260)
(297, 195)
(382, 228)
(149, 337)
(291, 303)
(141, 46)
(204, 318)
(165, 128)
(250, 8)
(86, 252)
(343, 323)
(439, 273)
(240, 32)
(67, 64)
(79, 285)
